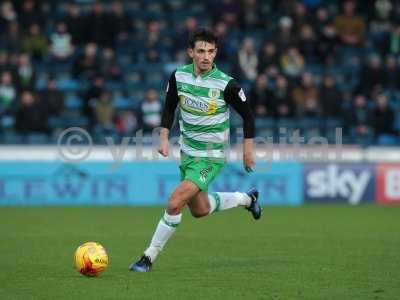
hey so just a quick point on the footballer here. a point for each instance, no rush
(203, 93)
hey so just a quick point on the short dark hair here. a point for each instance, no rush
(203, 34)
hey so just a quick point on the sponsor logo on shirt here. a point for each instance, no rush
(198, 105)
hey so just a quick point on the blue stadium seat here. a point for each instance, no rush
(72, 101)
(37, 138)
(68, 121)
(12, 138)
(7, 122)
(387, 140)
(122, 103)
(68, 84)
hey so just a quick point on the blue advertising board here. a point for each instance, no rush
(133, 183)
(339, 182)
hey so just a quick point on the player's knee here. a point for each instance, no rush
(174, 207)
(198, 214)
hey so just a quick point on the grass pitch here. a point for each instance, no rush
(308, 252)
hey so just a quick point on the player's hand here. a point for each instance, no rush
(163, 149)
(248, 162)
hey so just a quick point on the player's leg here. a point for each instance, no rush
(199, 205)
(167, 224)
(171, 218)
(186, 191)
(202, 173)
(206, 203)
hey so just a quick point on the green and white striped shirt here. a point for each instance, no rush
(204, 112)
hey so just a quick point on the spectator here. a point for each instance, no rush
(35, 43)
(285, 37)
(25, 74)
(383, 119)
(360, 120)
(11, 40)
(229, 11)
(29, 14)
(331, 98)
(110, 68)
(90, 98)
(98, 26)
(52, 98)
(182, 39)
(104, 111)
(8, 92)
(250, 16)
(292, 62)
(392, 42)
(300, 16)
(4, 61)
(61, 43)
(247, 61)
(281, 101)
(86, 65)
(372, 75)
(77, 24)
(327, 38)
(31, 115)
(349, 26)
(154, 42)
(122, 24)
(307, 43)
(381, 25)
(259, 96)
(7, 15)
(268, 57)
(226, 47)
(127, 123)
(306, 97)
(151, 111)
(391, 74)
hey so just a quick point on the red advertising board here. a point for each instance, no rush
(388, 183)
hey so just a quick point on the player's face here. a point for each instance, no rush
(203, 55)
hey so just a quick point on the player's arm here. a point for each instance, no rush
(235, 97)
(168, 115)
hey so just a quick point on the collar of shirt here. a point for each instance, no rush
(203, 75)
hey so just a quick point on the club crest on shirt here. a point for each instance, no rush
(204, 173)
(214, 93)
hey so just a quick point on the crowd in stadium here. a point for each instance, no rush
(103, 65)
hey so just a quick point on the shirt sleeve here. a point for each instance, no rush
(234, 96)
(171, 101)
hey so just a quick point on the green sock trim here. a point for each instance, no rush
(170, 224)
(217, 201)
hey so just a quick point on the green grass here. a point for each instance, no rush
(308, 252)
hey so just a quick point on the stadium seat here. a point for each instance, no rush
(37, 138)
(72, 101)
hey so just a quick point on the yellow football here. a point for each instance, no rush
(91, 259)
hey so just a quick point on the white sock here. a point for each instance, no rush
(165, 228)
(222, 201)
